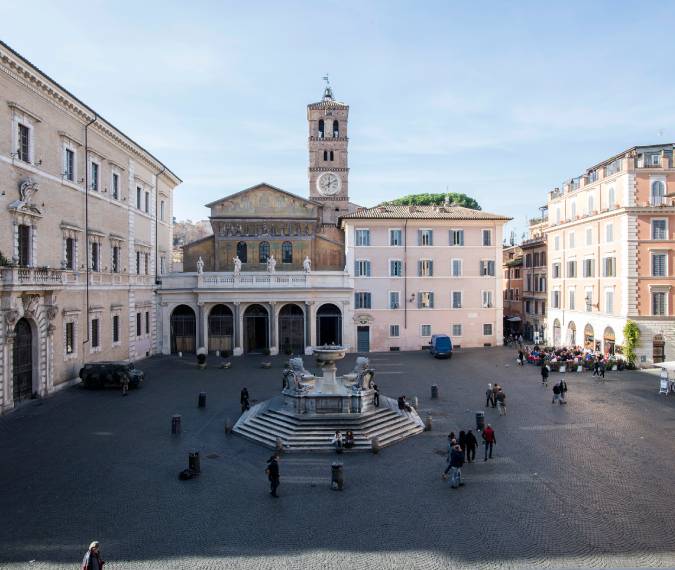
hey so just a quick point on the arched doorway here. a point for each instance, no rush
(556, 332)
(23, 361)
(291, 330)
(571, 334)
(221, 329)
(183, 330)
(608, 340)
(256, 329)
(328, 325)
(589, 337)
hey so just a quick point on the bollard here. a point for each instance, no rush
(427, 423)
(228, 426)
(180, 355)
(337, 479)
(434, 391)
(480, 421)
(218, 353)
(175, 424)
(201, 403)
(375, 445)
(194, 464)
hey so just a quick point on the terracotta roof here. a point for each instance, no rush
(452, 212)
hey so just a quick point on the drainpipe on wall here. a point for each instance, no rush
(157, 280)
(405, 274)
(86, 228)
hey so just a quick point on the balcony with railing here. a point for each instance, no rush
(47, 278)
(258, 280)
(42, 277)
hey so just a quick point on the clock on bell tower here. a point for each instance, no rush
(328, 168)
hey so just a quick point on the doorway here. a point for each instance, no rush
(328, 325)
(291, 330)
(221, 329)
(363, 339)
(23, 361)
(183, 330)
(256, 329)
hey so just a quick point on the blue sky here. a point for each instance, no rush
(502, 102)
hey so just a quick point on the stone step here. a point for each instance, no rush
(365, 424)
(325, 434)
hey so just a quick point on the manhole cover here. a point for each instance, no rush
(213, 456)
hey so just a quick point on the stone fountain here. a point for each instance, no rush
(311, 408)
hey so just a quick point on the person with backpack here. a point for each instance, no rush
(272, 472)
(489, 439)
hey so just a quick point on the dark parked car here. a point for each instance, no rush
(102, 374)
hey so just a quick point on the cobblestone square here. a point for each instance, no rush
(589, 484)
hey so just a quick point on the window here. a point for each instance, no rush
(609, 233)
(95, 341)
(161, 210)
(659, 229)
(609, 267)
(23, 146)
(425, 237)
(588, 298)
(321, 128)
(95, 256)
(542, 258)
(557, 215)
(573, 209)
(589, 267)
(589, 204)
(242, 250)
(394, 299)
(138, 263)
(116, 259)
(325, 155)
(139, 193)
(487, 237)
(487, 267)
(394, 331)
(395, 268)
(555, 269)
(426, 330)
(24, 244)
(425, 268)
(94, 174)
(456, 330)
(659, 303)
(487, 329)
(331, 155)
(147, 202)
(589, 236)
(162, 265)
(486, 299)
(570, 239)
(556, 243)
(555, 299)
(116, 328)
(362, 268)
(362, 237)
(70, 338)
(146, 257)
(115, 186)
(609, 301)
(456, 299)
(456, 268)
(571, 296)
(263, 251)
(395, 237)
(658, 193)
(336, 129)
(528, 260)
(457, 237)
(528, 282)
(528, 306)
(425, 300)
(362, 300)
(70, 254)
(659, 265)
(287, 252)
(147, 322)
(69, 165)
(138, 325)
(571, 269)
(611, 199)
(654, 159)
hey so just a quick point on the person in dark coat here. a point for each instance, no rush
(471, 445)
(556, 393)
(601, 368)
(244, 400)
(489, 439)
(272, 471)
(92, 558)
(455, 465)
(563, 391)
(544, 374)
(376, 396)
(489, 394)
(596, 367)
(521, 358)
(461, 440)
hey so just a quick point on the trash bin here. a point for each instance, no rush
(434, 391)
(175, 423)
(480, 421)
(337, 480)
(194, 464)
(202, 400)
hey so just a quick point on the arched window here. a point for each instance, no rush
(242, 251)
(263, 251)
(325, 155)
(611, 200)
(321, 128)
(331, 156)
(287, 252)
(336, 129)
(658, 193)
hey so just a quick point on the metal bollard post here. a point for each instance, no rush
(202, 400)
(375, 445)
(434, 391)
(427, 423)
(337, 477)
(194, 464)
(480, 421)
(175, 424)
(228, 426)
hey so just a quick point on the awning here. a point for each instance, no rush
(514, 319)
(670, 365)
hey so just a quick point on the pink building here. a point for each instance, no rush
(423, 270)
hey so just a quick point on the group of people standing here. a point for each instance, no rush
(463, 448)
(495, 397)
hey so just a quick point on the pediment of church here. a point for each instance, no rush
(266, 202)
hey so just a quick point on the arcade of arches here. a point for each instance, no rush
(589, 341)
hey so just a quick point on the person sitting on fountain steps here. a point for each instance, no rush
(349, 440)
(337, 441)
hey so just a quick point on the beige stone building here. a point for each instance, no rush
(535, 281)
(512, 284)
(85, 235)
(611, 251)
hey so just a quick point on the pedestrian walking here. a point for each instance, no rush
(125, 384)
(596, 368)
(563, 391)
(92, 558)
(601, 369)
(556, 393)
(488, 396)
(471, 445)
(521, 358)
(376, 396)
(455, 465)
(451, 443)
(244, 400)
(461, 440)
(272, 471)
(544, 374)
(489, 439)
(501, 402)
(495, 388)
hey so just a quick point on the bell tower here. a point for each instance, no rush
(328, 166)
